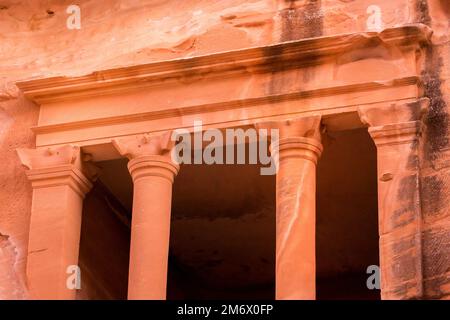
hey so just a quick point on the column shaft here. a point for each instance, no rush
(296, 219)
(399, 210)
(396, 131)
(153, 178)
(296, 153)
(153, 173)
(55, 223)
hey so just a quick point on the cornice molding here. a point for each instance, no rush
(396, 123)
(305, 52)
(394, 134)
(64, 175)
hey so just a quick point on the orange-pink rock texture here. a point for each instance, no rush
(35, 42)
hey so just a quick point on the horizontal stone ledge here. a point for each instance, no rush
(100, 147)
(305, 52)
(228, 105)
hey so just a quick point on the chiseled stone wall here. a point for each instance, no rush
(435, 180)
(35, 42)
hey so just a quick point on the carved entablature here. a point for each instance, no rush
(328, 76)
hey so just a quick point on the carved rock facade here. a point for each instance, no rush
(358, 90)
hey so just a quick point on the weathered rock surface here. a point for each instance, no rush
(35, 42)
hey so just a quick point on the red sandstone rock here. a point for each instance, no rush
(231, 85)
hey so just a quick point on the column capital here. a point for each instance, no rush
(397, 123)
(57, 166)
(149, 155)
(306, 127)
(145, 145)
(298, 137)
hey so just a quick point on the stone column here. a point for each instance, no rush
(296, 153)
(153, 173)
(396, 130)
(59, 186)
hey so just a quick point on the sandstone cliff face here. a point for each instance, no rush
(35, 42)
(435, 180)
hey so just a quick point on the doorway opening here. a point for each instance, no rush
(222, 243)
(347, 216)
(105, 234)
